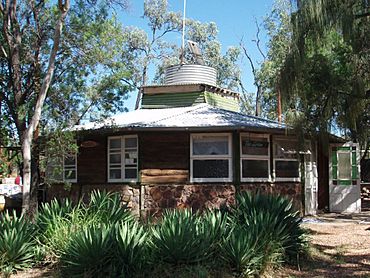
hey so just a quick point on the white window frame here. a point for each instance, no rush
(288, 139)
(212, 157)
(255, 157)
(73, 168)
(121, 151)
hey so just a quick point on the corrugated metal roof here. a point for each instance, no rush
(199, 116)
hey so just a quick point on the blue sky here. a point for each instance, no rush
(235, 20)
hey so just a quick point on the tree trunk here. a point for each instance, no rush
(28, 134)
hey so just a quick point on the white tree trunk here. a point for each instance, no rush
(26, 154)
(28, 134)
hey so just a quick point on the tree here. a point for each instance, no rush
(32, 51)
(155, 49)
(319, 59)
(328, 69)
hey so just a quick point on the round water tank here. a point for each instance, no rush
(187, 74)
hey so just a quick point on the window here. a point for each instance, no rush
(344, 168)
(255, 157)
(210, 158)
(62, 170)
(70, 168)
(286, 163)
(122, 158)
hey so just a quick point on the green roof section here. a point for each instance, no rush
(170, 100)
(223, 102)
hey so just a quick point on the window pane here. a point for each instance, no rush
(130, 173)
(69, 161)
(131, 142)
(115, 143)
(255, 169)
(286, 149)
(255, 146)
(344, 166)
(70, 174)
(210, 168)
(115, 158)
(287, 169)
(115, 173)
(210, 145)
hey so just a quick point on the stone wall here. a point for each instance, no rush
(156, 198)
(195, 196)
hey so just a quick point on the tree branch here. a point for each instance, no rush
(258, 40)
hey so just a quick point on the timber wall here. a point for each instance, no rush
(164, 177)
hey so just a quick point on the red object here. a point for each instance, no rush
(18, 180)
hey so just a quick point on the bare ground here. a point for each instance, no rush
(340, 248)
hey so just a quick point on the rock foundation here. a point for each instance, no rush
(156, 198)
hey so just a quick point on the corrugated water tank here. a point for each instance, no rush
(190, 74)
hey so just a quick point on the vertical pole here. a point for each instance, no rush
(183, 34)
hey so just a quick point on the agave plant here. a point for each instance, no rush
(88, 253)
(183, 237)
(275, 217)
(106, 207)
(131, 248)
(50, 213)
(56, 223)
(241, 251)
(17, 245)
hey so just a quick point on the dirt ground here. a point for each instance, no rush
(340, 248)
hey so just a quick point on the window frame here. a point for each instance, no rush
(121, 152)
(255, 157)
(281, 179)
(69, 169)
(228, 157)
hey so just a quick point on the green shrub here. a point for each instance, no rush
(56, 222)
(275, 218)
(88, 253)
(106, 207)
(50, 214)
(184, 237)
(130, 245)
(241, 251)
(17, 245)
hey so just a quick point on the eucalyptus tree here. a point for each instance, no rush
(46, 49)
(159, 47)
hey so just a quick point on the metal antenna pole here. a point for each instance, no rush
(183, 34)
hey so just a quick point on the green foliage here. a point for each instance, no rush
(273, 216)
(102, 239)
(88, 253)
(57, 222)
(16, 243)
(131, 248)
(184, 237)
(106, 207)
(240, 250)
(318, 59)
